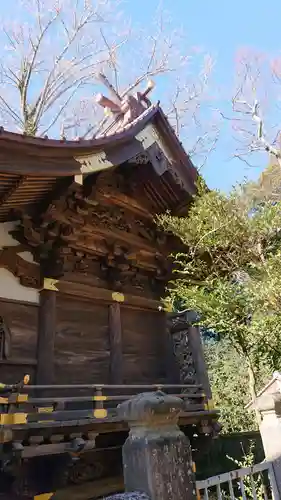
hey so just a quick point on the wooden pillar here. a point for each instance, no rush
(172, 365)
(115, 341)
(46, 336)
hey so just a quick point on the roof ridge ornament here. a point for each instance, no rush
(122, 109)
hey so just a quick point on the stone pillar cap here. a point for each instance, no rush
(150, 406)
(269, 402)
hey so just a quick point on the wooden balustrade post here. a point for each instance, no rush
(157, 455)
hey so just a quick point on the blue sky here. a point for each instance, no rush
(222, 28)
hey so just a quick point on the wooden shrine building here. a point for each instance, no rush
(83, 266)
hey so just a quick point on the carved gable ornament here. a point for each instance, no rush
(28, 273)
(147, 144)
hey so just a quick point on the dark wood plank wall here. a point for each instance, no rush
(144, 348)
(21, 319)
(82, 342)
(82, 346)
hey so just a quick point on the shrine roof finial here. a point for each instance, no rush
(121, 109)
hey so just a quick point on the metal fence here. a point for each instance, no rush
(256, 482)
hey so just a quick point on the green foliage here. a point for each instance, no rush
(267, 188)
(230, 274)
(249, 461)
(221, 236)
(257, 483)
(229, 381)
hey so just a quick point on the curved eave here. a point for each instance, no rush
(53, 147)
(58, 157)
(33, 169)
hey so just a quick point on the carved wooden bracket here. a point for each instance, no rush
(97, 229)
(28, 273)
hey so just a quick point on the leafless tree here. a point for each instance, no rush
(51, 53)
(54, 50)
(256, 106)
(193, 113)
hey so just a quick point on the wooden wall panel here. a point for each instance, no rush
(82, 342)
(144, 346)
(22, 321)
(12, 373)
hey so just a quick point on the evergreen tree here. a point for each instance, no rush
(231, 275)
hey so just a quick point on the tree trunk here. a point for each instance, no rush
(253, 389)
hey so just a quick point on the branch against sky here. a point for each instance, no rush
(256, 106)
(51, 52)
(192, 112)
(54, 50)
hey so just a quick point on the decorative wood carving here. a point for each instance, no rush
(27, 272)
(86, 231)
(140, 159)
(93, 466)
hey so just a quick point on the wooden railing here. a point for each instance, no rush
(42, 403)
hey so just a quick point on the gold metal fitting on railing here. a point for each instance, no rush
(99, 398)
(44, 496)
(10, 404)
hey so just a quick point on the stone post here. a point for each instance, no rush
(269, 406)
(157, 455)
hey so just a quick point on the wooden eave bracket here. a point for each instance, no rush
(143, 141)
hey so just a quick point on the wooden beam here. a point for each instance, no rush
(46, 337)
(104, 295)
(51, 449)
(112, 197)
(115, 341)
(119, 236)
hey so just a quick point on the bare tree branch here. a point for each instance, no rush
(249, 99)
(52, 56)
